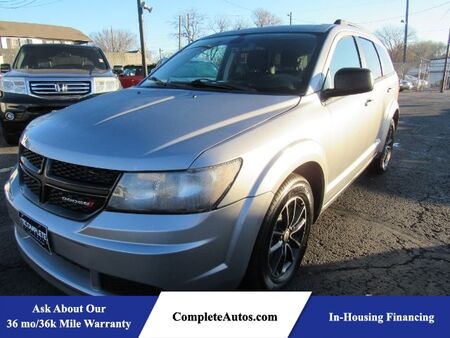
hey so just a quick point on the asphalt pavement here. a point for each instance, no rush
(385, 235)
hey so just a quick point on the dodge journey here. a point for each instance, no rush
(211, 172)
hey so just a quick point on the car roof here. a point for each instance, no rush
(278, 29)
(338, 25)
(35, 45)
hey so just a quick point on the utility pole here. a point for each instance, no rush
(290, 18)
(112, 39)
(445, 75)
(179, 31)
(188, 28)
(160, 54)
(405, 43)
(141, 6)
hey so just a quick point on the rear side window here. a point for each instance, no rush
(345, 56)
(386, 63)
(371, 57)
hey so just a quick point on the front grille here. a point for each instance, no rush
(60, 87)
(75, 202)
(82, 174)
(66, 189)
(34, 159)
(32, 184)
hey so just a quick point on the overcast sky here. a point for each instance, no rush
(429, 18)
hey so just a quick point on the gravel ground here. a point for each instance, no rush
(386, 235)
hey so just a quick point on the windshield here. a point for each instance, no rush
(129, 72)
(136, 70)
(60, 57)
(266, 63)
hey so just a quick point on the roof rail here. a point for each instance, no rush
(346, 23)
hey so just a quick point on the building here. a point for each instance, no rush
(15, 34)
(435, 71)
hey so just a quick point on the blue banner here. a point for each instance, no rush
(375, 317)
(59, 316)
(225, 314)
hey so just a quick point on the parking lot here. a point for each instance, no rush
(386, 235)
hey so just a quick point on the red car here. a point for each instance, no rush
(132, 75)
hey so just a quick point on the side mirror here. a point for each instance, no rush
(5, 67)
(349, 81)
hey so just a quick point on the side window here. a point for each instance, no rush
(371, 57)
(386, 63)
(345, 56)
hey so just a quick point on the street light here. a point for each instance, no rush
(141, 7)
(144, 6)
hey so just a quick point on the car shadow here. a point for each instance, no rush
(415, 271)
(420, 166)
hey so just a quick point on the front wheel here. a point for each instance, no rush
(282, 240)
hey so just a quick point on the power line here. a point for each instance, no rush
(401, 16)
(50, 2)
(240, 6)
(18, 4)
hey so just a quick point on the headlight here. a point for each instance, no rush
(174, 192)
(106, 84)
(16, 85)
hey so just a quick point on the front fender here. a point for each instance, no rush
(287, 161)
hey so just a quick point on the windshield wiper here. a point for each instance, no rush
(158, 81)
(208, 83)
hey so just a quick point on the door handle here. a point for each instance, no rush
(367, 102)
(389, 89)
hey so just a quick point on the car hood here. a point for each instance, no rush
(148, 129)
(57, 73)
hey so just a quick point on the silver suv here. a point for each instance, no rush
(210, 173)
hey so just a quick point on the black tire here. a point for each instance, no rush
(380, 163)
(265, 271)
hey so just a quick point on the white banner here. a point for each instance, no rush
(224, 314)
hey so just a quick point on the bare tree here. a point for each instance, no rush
(262, 17)
(240, 23)
(426, 50)
(114, 40)
(393, 39)
(220, 24)
(192, 23)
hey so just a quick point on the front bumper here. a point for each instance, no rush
(173, 252)
(27, 107)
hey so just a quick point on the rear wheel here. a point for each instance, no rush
(381, 163)
(282, 241)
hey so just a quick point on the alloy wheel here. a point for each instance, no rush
(387, 154)
(287, 235)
